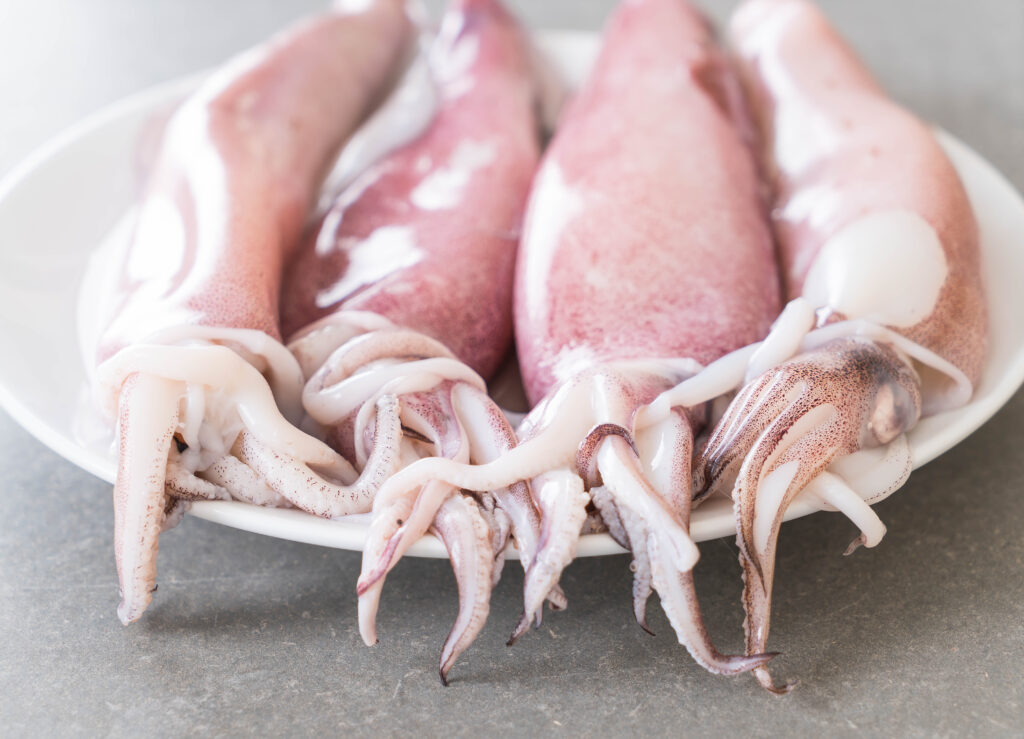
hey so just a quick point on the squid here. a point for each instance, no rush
(646, 256)
(190, 362)
(402, 298)
(887, 320)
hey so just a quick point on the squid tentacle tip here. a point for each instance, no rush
(854, 546)
(768, 683)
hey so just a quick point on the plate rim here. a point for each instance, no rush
(295, 525)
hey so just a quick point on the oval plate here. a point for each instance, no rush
(61, 202)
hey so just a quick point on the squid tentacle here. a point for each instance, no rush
(460, 526)
(242, 483)
(302, 486)
(182, 484)
(609, 514)
(148, 410)
(490, 437)
(393, 531)
(634, 539)
(563, 504)
(788, 430)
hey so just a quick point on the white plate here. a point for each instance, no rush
(65, 198)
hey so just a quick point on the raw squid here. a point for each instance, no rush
(879, 249)
(646, 255)
(408, 283)
(192, 350)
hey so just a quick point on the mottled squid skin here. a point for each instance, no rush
(238, 168)
(646, 240)
(424, 243)
(838, 154)
(427, 237)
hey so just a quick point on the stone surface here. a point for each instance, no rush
(922, 636)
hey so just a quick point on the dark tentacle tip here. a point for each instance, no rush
(442, 673)
(854, 546)
(765, 679)
(521, 628)
(783, 689)
(645, 627)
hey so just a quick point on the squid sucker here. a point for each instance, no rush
(880, 257)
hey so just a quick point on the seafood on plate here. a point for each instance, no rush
(190, 359)
(646, 255)
(401, 301)
(880, 256)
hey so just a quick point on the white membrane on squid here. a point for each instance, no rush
(720, 377)
(239, 384)
(835, 494)
(266, 354)
(768, 500)
(770, 490)
(783, 341)
(886, 267)
(877, 473)
(444, 187)
(401, 119)
(624, 483)
(657, 445)
(312, 345)
(416, 380)
(943, 385)
(330, 404)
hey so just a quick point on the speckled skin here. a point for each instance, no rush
(646, 238)
(237, 172)
(835, 150)
(668, 253)
(458, 288)
(238, 167)
(860, 152)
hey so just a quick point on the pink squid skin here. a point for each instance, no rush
(426, 239)
(887, 159)
(836, 150)
(451, 277)
(238, 169)
(646, 239)
(649, 237)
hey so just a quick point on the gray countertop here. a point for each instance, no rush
(923, 635)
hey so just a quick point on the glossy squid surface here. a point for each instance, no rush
(406, 285)
(191, 350)
(646, 254)
(879, 252)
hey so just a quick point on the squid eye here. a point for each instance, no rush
(895, 409)
(885, 423)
